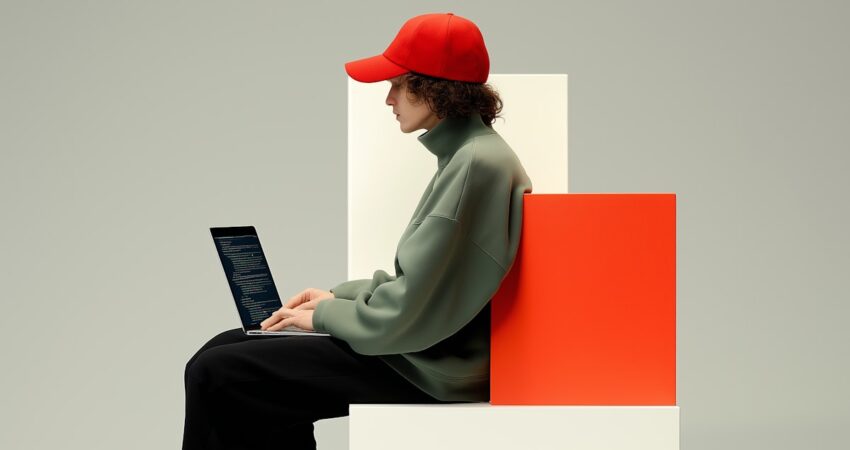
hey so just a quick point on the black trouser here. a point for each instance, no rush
(259, 392)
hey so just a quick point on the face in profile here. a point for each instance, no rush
(411, 116)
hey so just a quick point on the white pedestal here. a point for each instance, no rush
(484, 426)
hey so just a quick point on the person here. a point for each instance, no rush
(421, 335)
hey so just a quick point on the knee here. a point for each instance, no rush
(225, 337)
(209, 367)
(198, 368)
(189, 368)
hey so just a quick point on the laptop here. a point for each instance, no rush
(250, 280)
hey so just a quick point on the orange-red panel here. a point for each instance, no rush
(587, 314)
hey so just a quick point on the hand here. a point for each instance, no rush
(284, 317)
(298, 311)
(307, 299)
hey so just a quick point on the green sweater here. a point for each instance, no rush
(431, 320)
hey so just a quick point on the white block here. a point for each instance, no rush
(484, 426)
(388, 170)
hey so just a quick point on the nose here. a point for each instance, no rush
(390, 99)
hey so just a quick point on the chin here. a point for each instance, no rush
(411, 128)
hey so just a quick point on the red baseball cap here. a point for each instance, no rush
(439, 45)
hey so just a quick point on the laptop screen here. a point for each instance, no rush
(247, 273)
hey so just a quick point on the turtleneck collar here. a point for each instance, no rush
(450, 134)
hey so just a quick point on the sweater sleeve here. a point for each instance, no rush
(349, 289)
(444, 281)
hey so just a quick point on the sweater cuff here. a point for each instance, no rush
(324, 310)
(350, 289)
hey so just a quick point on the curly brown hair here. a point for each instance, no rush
(450, 98)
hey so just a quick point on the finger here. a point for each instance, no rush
(295, 300)
(309, 305)
(284, 313)
(274, 318)
(282, 324)
(268, 321)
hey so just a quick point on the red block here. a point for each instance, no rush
(587, 314)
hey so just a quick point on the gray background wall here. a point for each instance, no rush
(130, 128)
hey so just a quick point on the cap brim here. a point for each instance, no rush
(373, 69)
